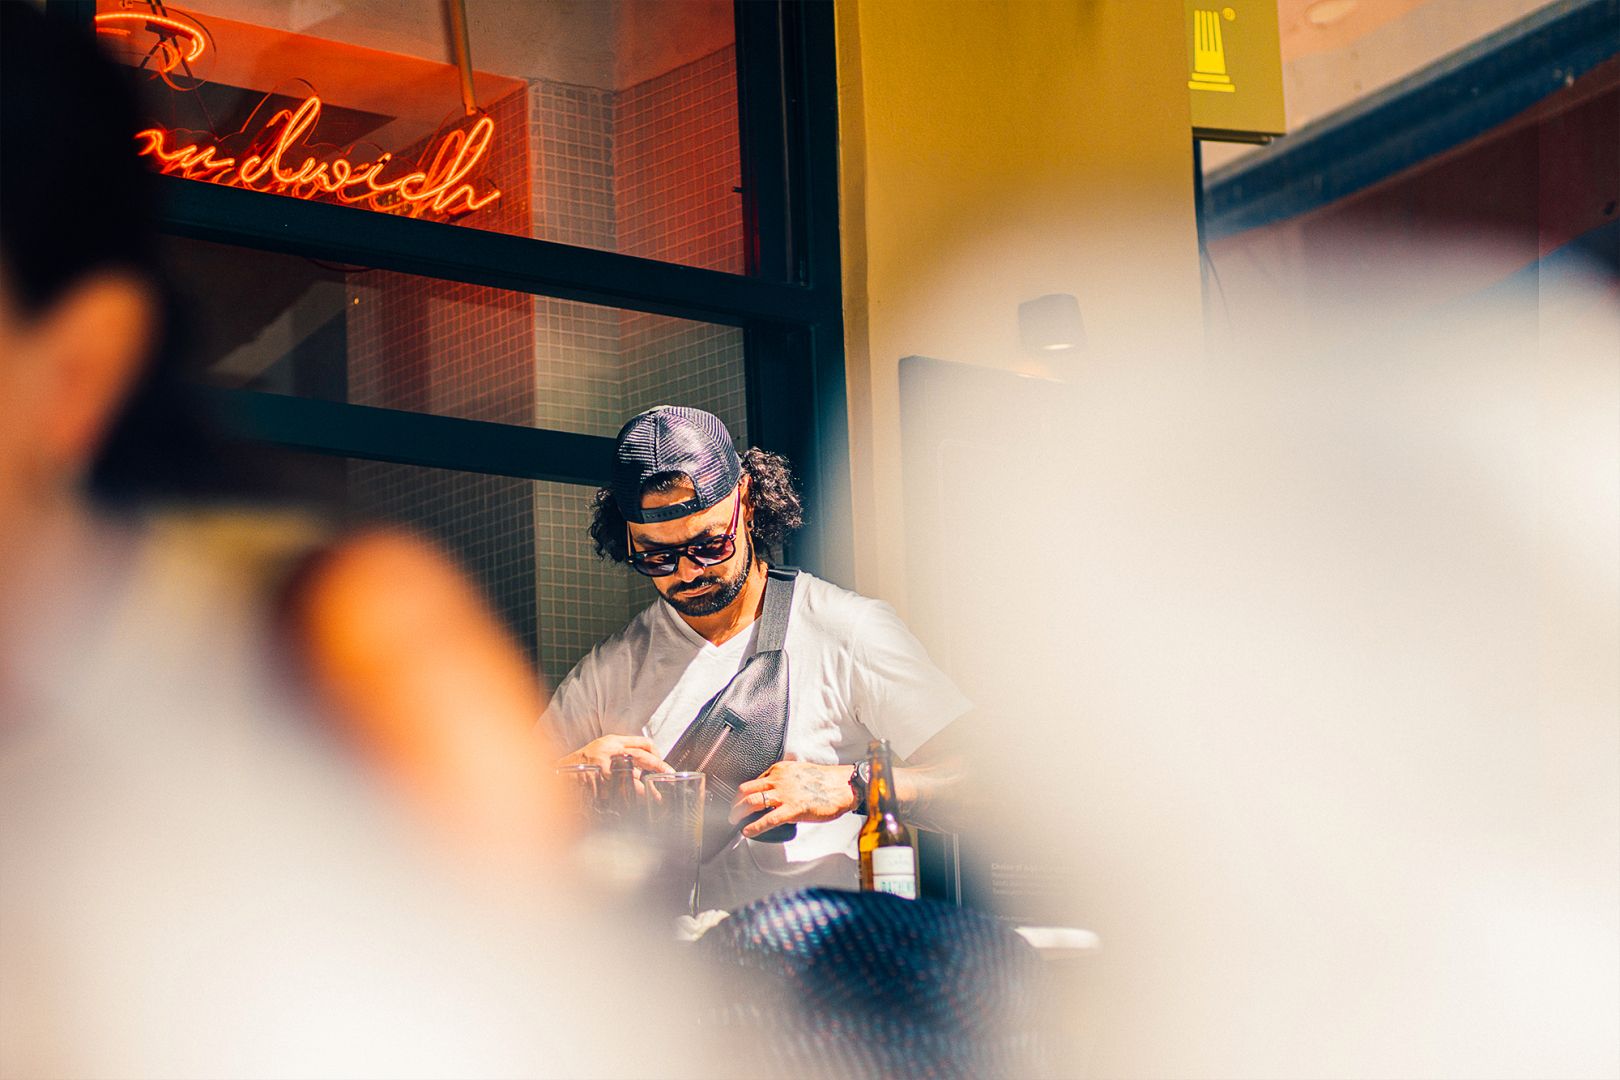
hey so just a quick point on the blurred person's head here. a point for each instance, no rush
(698, 514)
(83, 406)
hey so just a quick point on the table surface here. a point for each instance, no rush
(1057, 942)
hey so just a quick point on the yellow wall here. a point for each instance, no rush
(993, 152)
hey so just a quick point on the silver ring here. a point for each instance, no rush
(765, 797)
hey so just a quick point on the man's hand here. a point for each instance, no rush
(600, 752)
(794, 791)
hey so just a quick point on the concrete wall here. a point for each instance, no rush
(993, 152)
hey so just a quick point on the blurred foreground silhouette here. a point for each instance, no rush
(1319, 641)
(269, 800)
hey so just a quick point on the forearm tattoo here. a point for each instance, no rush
(824, 789)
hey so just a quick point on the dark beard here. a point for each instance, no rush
(717, 600)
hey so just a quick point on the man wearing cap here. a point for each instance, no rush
(696, 518)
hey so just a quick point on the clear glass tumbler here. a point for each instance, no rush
(675, 824)
(582, 790)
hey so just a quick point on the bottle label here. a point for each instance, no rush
(894, 871)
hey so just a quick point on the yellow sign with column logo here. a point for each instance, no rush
(1234, 69)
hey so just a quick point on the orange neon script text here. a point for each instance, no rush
(441, 188)
(123, 23)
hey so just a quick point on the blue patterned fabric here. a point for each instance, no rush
(827, 983)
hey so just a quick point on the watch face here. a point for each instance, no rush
(860, 778)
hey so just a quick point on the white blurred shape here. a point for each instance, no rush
(198, 880)
(1308, 656)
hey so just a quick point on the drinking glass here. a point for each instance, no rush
(582, 788)
(675, 823)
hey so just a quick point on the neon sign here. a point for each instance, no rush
(173, 35)
(437, 187)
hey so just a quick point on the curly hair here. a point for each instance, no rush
(771, 493)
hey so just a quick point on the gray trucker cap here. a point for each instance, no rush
(673, 439)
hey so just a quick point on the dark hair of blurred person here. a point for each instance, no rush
(73, 209)
(99, 433)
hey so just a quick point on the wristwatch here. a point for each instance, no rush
(859, 775)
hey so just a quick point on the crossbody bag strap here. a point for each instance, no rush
(773, 623)
(773, 620)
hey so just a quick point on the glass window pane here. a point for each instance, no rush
(606, 125)
(523, 543)
(290, 325)
(580, 599)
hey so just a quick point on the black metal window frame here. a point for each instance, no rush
(789, 304)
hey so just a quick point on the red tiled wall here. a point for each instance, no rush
(676, 166)
(456, 350)
(677, 171)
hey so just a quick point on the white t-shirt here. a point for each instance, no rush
(855, 673)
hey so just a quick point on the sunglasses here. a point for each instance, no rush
(709, 551)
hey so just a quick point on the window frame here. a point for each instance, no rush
(789, 303)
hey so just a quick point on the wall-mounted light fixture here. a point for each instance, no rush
(1051, 323)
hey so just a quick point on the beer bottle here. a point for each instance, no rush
(622, 802)
(888, 853)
